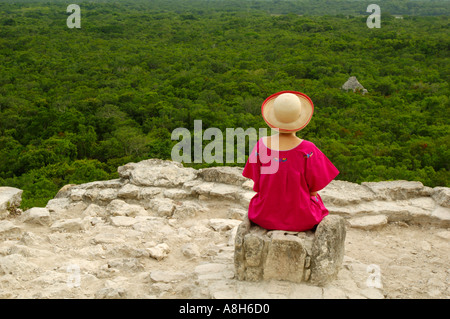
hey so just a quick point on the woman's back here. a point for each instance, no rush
(283, 200)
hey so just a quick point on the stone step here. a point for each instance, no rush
(416, 211)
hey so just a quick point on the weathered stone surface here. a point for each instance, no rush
(224, 174)
(154, 172)
(395, 190)
(159, 251)
(10, 198)
(176, 193)
(292, 256)
(107, 194)
(16, 265)
(339, 193)
(64, 192)
(125, 264)
(118, 207)
(129, 191)
(108, 238)
(162, 206)
(213, 271)
(76, 193)
(225, 191)
(368, 222)
(58, 205)
(441, 216)
(37, 215)
(94, 210)
(246, 197)
(9, 231)
(190, 250)
(237, 213)
(167, 276)
(69, 225)
(327, 249)
(113, 230)
(148, 193)
(442, 196)
(285, 258)
(122, 221)
(223, 224)
(188, 209)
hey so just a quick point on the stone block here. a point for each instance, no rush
(10, 198)
(314, 257)
(37, 215)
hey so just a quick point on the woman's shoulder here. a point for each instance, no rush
(307, 146)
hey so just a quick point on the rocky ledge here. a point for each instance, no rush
(165, 231)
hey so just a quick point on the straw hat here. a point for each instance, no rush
(288, 111)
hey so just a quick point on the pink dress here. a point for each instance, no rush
(283, 181)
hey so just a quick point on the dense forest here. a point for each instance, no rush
(75, 103)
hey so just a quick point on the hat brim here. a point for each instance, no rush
(267, 112)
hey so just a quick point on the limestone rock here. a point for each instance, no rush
(37, 215)
(69, 225)
(194, 222)
(368, 222)
(64, 192)
(248, 185)
(442, 196)
(225, 191)
(156, 226)
(59, 205)
(223, 174)
(445, 234)
(111, 293)
(395, 190)
(159, 252)
(129, 191)
(167, 276)
(148, 193)
(328, 249)
(237, 213)
(188, 209)
(245, 198)
(108, 238)
(291, 256)
(10, 198)
(212, 271)
(340, 193)
(285, 258)
(223, 224)
(154, 172)
(176, 193)
(122, 221)
(202, 188)
(118, 207)
(107, 194)
(125, 264)
(16, 265)
(9, 231)
(190, 250)
(76, 193)
(441, 216)
(94, 210)
(162, 206)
